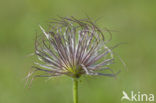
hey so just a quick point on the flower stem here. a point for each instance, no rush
(75, 90)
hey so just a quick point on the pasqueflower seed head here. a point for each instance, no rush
(72, 47)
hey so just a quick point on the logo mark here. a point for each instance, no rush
(125, 96)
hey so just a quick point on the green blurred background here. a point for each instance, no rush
(134, 22)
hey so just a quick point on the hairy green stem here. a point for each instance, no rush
(75, 90)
